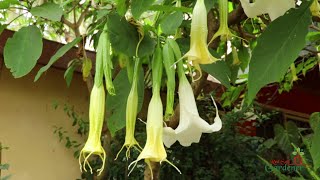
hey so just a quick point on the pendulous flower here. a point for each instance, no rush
(191, 125)
(131, 112)
(154, 150)
(274, 8)
(199, 53)
(96, 118)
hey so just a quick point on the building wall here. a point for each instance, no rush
(27, 118)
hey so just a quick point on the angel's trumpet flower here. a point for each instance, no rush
(191, 125)
(96, 118)
(154, 150)
(131, 113)
(199, 53)
(274, 8)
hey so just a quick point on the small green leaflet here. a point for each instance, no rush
(19, 56)
(58, 55)
(49, 11)
(278, 47)
(117, 104)
(140, 6)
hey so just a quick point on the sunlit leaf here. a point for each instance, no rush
(48, 10)
(19, 56)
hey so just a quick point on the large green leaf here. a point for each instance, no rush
(278, 47)
(220, 71)
(48, 10)
(171, 22)
(117, 104)
(286, 136)
(140, 6)
(124, 37)
(58, 55)
(6, 3)
(315, 142)
(19, 55)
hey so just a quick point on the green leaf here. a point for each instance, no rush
(19, 56)
(124, 37)
(278, 47)
(285, 137)
(171, 22)
(68, 75)
(122, 7)
(315, 120)
(220, 71)
(4, 166)
(49, 11)
(64, 49)
(117, 104)
(140, 6)
(315, 141)
(165, 8)
(313, 36)
(6, 3)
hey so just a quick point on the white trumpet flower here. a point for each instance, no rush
(274, 8)
(191, 125)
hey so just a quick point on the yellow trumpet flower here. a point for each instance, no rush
(131, 113)
(96, 118)
(199, 53)
(154, 149)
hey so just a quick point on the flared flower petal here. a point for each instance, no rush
(274, 8)
(191, 125)
(96, 117)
